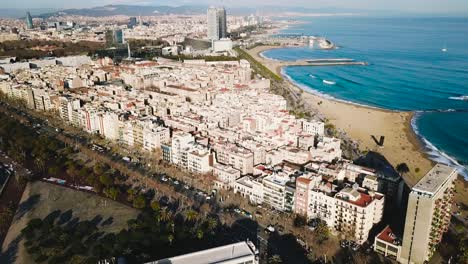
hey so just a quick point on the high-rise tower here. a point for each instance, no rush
(428, 214)
(217, 25)
(29, 21)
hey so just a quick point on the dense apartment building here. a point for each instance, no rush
(345, 207)
(428, 214)
(278, 192)
(238, 157)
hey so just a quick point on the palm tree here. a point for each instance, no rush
(40, 163)
(155, 206)
(402, 168)
(165, 215)
(275, 259)
(157, 217)
(170, 238)
(114, 192)
(131, 194)
(212, 223)
(191, 215)
(200, 234)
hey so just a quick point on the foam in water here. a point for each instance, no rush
(461, 98)
(436, 154)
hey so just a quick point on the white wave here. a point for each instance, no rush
(436, 154)
(312, 76)
(460, 98)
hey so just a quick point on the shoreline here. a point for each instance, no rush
(401, 141)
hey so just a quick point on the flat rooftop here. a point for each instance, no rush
(434, 179)
(238, 251)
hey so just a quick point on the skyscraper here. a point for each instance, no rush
(133, 22)
(428, 214)
(217, 26)
(29, 21)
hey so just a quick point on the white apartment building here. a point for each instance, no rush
(42, 100)
(225, 175)
(313, 128)
(356, 212)
(327, 150)
(238, 157)
(111, 125)
(180, 142)
(353, 211)
(199, 159)
(277, 193)
(154, 135)
(251, 188)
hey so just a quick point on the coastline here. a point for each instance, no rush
(361, 122)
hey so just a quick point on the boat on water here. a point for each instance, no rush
(329, 82)
(444, 50)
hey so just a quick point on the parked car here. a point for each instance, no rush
(270, 229)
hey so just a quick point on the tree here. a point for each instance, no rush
(131, 194)
(155, 206)
(200, 234)
(191, 215)
(112, 192)
(99, 168)
(212, 223)
(402, 168)
(170, 238)
(139, 202)
(275, 259)
(299, 221)
(165, 215)
(322, 232)
(106, 179)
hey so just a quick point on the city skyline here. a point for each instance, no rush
(418, 6)
(195, 134)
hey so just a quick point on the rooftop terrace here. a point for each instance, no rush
(434, 179)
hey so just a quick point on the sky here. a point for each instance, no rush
(419, 6)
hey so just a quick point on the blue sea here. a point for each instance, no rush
(407, 71)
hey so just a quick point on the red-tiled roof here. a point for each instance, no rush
(386, 235)
(363, 200)
(304, 180)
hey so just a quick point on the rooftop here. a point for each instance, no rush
(238, 251)
(434, 179)
(387, 235)
(355, 197)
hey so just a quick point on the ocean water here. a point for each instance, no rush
(407, 71)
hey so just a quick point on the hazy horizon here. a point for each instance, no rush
(403, 6)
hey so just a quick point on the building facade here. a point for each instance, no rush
(217, 26)
(428, 214)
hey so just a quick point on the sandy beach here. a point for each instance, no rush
(360, 123)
